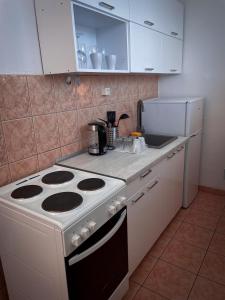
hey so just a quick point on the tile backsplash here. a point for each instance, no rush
(42, 118)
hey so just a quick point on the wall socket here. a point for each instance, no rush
(106, 91)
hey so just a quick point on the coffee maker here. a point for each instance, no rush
(97, 138)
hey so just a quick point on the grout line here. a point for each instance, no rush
(202, 262)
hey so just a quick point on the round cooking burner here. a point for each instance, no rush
(91, 184)
(57, 177)
(62, 202)
(26, 191)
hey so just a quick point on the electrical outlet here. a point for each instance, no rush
(106, 91)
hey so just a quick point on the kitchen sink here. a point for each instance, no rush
(158, 141)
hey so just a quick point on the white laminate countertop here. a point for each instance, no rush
(121, 165)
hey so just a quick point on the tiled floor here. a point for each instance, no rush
(188, 260)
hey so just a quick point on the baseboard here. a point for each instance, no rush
(211, 190)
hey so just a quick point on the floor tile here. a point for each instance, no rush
(159, 246)
(203, 219)
(172, 228)
(210, 202)
(133, 288)
(143, 270)
(184, 255)
(145, 294)
(194, 235)
(207, 290)
(213, 267)
(169, 281)
(182, 214)
(217, 244)
(220, 228)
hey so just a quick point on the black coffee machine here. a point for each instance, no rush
(97, 138)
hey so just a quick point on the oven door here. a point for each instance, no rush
(98, 266)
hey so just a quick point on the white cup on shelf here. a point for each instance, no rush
(96, 60)
(111, 61)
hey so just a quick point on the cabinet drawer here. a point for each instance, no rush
(142, 180)
(114, 7)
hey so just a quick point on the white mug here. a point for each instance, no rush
(111, 61)
(96, 60)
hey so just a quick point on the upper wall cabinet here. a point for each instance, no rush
(115, 7)
(19, 50)
(145, 50)
(77, 38)
(164, 16)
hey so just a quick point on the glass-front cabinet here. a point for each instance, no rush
(78, 38)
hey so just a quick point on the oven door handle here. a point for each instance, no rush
(100, 243)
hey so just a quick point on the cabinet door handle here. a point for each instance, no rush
(170, 155)
(152, 186)
(136, 200)
(173, 70)
(148, 23)
(106, 5)
(146, 173)
(149, 69)
(174, 33)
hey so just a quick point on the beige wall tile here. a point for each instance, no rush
(19, 139)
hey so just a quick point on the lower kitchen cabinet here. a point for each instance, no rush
(155, 204)
(145, 221)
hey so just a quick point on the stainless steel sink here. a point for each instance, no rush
(158, 141)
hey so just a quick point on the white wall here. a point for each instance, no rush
(204, 74)
(19, 46)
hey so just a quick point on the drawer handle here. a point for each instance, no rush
(180, 148)
(146, 173)
(174, 33)
(152, 186)
(173, 70)
(170, 155)
(149, 69)
(148, 23)
(106, 5)
(136, 200)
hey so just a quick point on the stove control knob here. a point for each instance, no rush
(76, 240)
(112, 210)
(118, 205)
(92, 225)
(85, 232)
(123, 200)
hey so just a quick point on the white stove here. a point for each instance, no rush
(104, 201)
(65, 217)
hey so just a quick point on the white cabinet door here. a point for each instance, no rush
(145, 49)
(145, 222)
(172, 21)
(172, 55)
(116, 7)
(146, 12)
(164, 16)
(172, 174)
(20, 52)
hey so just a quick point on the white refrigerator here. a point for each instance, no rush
(179, 117)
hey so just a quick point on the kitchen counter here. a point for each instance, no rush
(121, 165)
